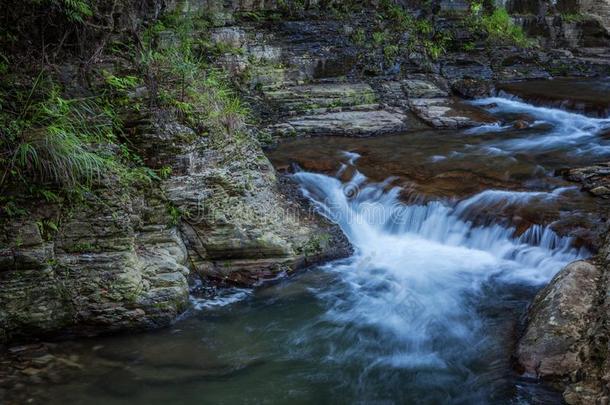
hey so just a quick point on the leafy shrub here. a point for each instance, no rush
(359, 36)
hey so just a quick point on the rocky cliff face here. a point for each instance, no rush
(114, 263)
(240, 224)
(583, 26)
(122, 261)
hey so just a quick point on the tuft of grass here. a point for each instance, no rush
(390, 52)
(571, 18)
(49, 139)
(359, 36)
(501, 29)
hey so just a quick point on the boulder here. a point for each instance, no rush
(557, 323)
(565, 342)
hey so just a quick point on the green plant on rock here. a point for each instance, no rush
(390, 52)
(498, 26)
(379, 37)
(359, 36)
(424, 27)
(47, 138)
(398, 15)
(74, 10)
(468, 46)
(404, 31)
(182, 80)
(174, 214)
(47, 228)
(165, 172)
(571, 18)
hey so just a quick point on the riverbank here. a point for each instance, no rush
(208, 209)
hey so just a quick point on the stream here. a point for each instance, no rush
(454, 232)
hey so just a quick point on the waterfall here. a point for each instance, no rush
(418, 268)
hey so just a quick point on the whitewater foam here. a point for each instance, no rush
(416, 267)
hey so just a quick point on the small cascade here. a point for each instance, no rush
(372, 216)
(418, 274)
(568, 130)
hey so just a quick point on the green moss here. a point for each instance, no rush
(80, 247)
(316, 244)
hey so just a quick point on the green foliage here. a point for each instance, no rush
(399, 16)
(395, 21)
(174, 214)
(424, 27)
(390, 52)
(359, 36)
(184, 81)
(571, 18)
(59, 147)
(80, 247)
(379, 37)
(47, 227)
(468, 46)
(74, 10)
(498, 26)
(165, 172)
(49, 139)
(121, 84)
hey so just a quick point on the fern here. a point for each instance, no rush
(74, 10)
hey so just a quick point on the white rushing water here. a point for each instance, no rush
(567, 129)
(417, 269)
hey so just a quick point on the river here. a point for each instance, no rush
(453, 232)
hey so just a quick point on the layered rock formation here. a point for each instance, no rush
(122, 261)
(113, 264)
